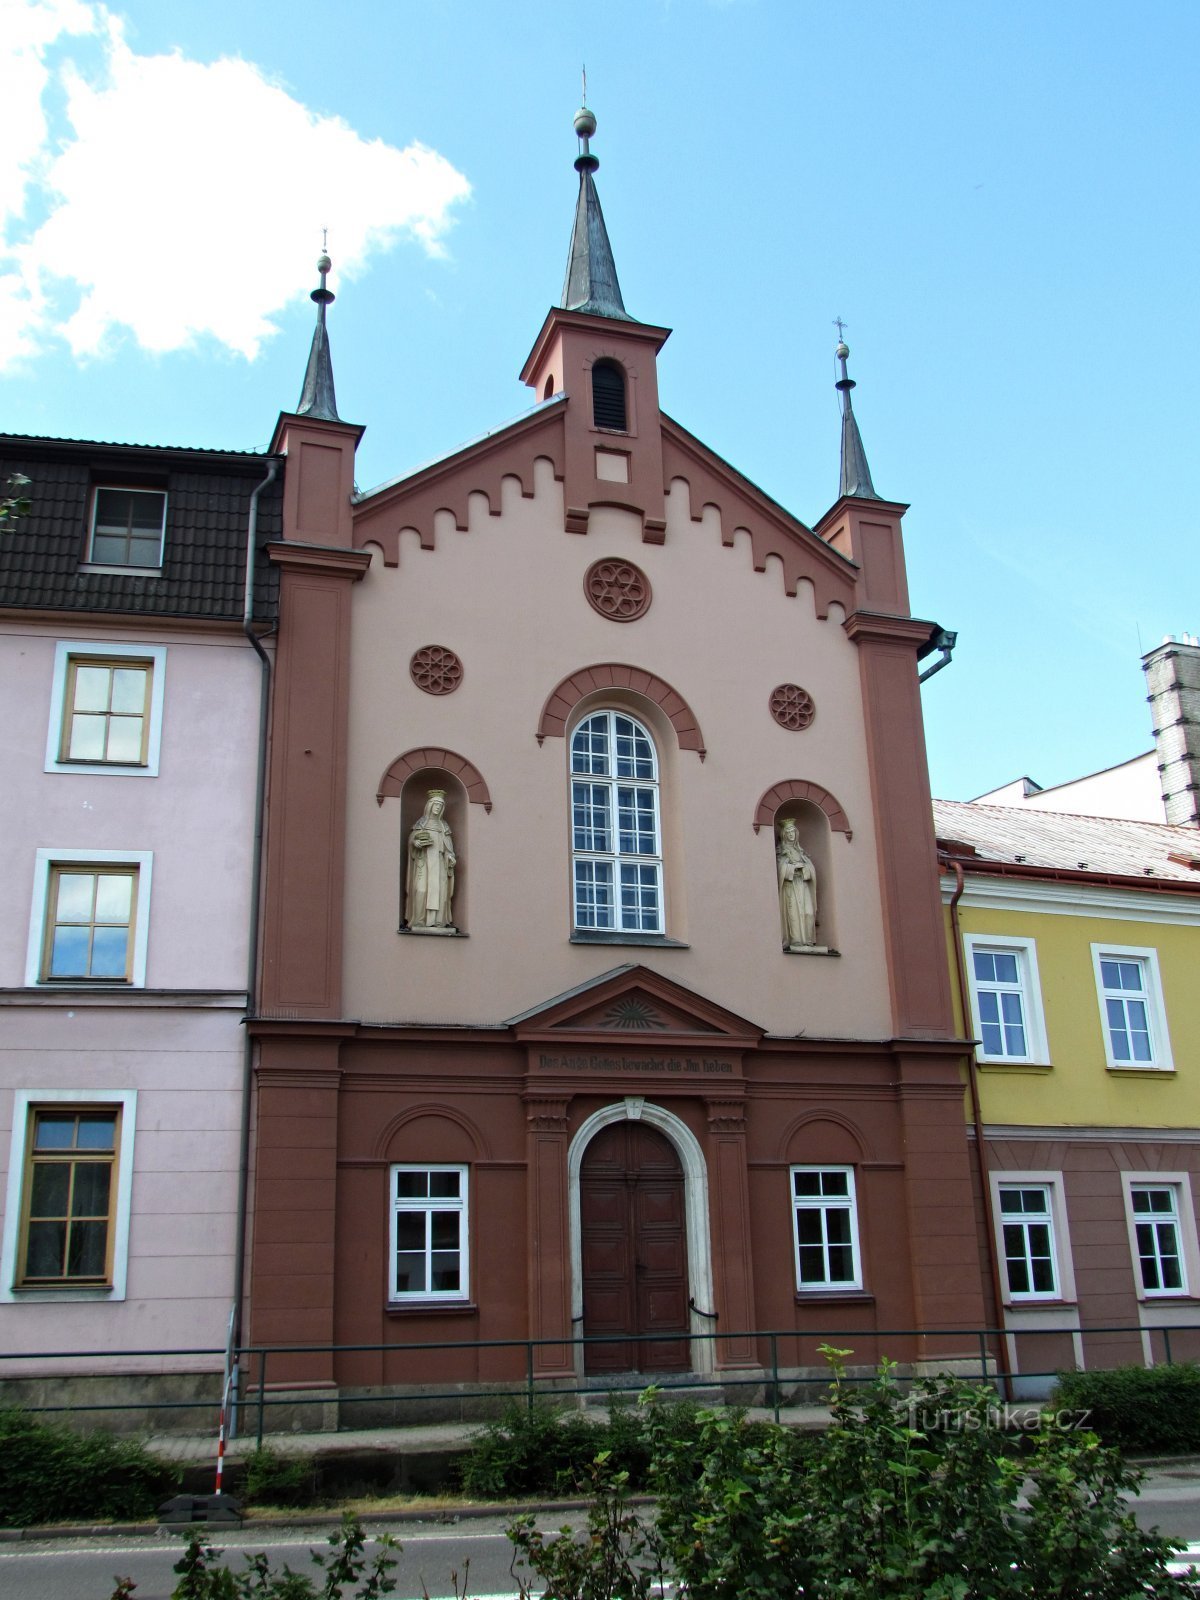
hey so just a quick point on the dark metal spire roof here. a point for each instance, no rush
(317, 398)
(591, 282)
(856, 474)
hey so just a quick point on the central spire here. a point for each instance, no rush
(591, 282)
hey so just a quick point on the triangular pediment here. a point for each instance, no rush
(634, 1004)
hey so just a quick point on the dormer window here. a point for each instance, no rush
(608, 396)
(127, 527)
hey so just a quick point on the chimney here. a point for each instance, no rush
(1173, 679)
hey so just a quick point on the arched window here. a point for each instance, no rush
(616, 836)
(608, 396)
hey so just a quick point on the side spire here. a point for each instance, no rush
(856, 474)
(591, 282)
(317, 398)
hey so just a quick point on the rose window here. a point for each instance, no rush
(435, 669)
(617, 590)
(792, 707)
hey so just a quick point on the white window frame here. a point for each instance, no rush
(142, 861)
(824, 1204)
(1180, 1186)
(153, 656)
(404, 1297)
(1160, 1041)
(24, 1102)
(616, 857)
(1037, 1050)
(1060, 1238)
(149, 569)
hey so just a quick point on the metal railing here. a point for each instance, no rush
(265, 1381)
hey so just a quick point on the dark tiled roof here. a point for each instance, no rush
(1017, 836)
(208, 501)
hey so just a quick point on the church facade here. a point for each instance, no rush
(603, 1001)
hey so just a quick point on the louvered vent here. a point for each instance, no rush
(608, 395)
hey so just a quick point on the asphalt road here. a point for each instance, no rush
(474, 1551)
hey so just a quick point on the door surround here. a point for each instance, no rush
(695, 1210)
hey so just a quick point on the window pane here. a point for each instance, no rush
(86, 1253)
(412, 1184)
(591, 805)
(124, 739)
(47, 1250)
(54, 1132)
(129, 690)
(410, 1230)
(106, 548)
(87, 738)
(410, 1273)
(985, 966)
(635, 822)
(444, 1183)
(76, 896)
(808, 1226)
(443, 1229)
(97, 1132)
(109, 950)
(835, 1183)
(447, 1276)
(1005, 963)
(114, 897)
(589, 746)
(69, 953)
(812, 1264)
(91, 688)
(89, 1197)
(594, 894)
(49, 1189)
(841, 1263)
(144, 552)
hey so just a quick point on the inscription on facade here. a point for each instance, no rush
(687, 1065)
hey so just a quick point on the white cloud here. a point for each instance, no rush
(185, 199)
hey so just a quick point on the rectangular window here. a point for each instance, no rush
(70, 1190)
(106, 706)
(825, 1228)
(67, 1203)
(1027, 1230)
(89, 917)
(1158, 1237)
(1131, 1007)
(1006, 1001)
(429, 1233)
(127, 527)
(90, 922)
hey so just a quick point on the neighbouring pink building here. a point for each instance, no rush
(131, 723)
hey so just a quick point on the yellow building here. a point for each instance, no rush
(1073, 949)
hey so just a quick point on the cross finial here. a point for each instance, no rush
(325, 240)
(585, 83)
(841, 327)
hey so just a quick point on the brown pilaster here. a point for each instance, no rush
(729, 1202)
(302, 912)
(946, 1284)
(549, 1234)
(295, 1187)
(912, 912)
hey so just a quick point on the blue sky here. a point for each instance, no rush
(1000, 199)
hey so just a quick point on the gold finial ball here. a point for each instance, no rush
(842, 351)
(585, 123)
(324, 264)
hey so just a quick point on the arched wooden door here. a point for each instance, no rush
(634, 1251)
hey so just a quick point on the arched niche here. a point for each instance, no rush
(812, 829)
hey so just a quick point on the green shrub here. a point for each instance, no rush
(345, 1572)
(277, 1480)
(540, 1449)
(1138, 1408)
(912, 1494)
(50, 1474)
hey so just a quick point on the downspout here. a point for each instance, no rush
(985, 1183)
(264, 707)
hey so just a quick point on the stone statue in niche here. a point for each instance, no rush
(429, 885)
(797, 890)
